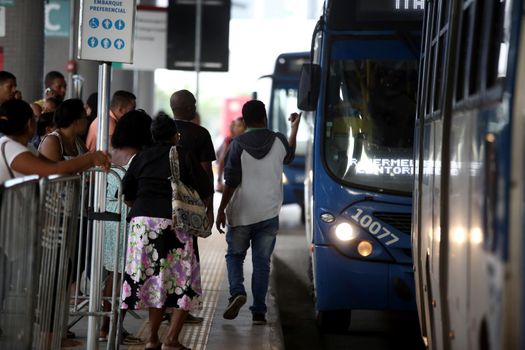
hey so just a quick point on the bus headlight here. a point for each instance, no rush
(285, 179)
(344, 232)
(364, 248)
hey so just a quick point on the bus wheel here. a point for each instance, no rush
(334, 321)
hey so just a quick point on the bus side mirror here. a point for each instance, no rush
(309, 87)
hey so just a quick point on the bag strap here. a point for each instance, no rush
(5, 160)
(174, 164)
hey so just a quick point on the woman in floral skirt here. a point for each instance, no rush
(162, 265)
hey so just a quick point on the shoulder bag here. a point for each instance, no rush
(188, 209)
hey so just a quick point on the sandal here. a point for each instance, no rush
(69, 343)
(174, 347)
(130, 339)
(158, 347)
(103, 336)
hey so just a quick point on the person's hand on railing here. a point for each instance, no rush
(102, 159)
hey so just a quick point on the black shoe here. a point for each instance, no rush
(259, 319)
(193, 319)
(235, 304)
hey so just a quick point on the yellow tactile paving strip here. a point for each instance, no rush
(212, 250)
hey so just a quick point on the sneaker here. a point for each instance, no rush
(193, 319)
(235, 304)
(259, 319)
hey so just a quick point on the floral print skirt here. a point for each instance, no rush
(162, 269)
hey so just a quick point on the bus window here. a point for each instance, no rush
(370, 122)
(462, 55)
(498, 45)
(477, 37)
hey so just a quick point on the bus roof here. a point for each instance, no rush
(405, 15)
(289, 64)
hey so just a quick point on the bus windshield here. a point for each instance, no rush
(284, 102)
(369, 123)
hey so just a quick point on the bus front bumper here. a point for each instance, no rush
(343, 283)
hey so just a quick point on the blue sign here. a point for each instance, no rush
(106, 29)
(92, 41)
(93, 23)
(119, 44)
(105, 43)
(120, 24)
(107, 23)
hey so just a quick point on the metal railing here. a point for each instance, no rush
(115, 217)
(38, 229)
(41, 221)
(19, 261)
(59, 227)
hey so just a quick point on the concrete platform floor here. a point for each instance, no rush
(214, 333)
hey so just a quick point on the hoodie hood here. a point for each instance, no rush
(257, 142)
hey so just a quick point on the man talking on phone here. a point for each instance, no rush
(251, 201)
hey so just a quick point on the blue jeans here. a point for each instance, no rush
(262, 237)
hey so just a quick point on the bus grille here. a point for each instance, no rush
(400, 221)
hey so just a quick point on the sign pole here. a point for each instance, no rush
(198, 43)
(106, 31)
(71, 58)
(99, 205)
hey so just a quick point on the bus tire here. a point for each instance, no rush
(334, 321)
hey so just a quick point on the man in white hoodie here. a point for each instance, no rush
(252, 199)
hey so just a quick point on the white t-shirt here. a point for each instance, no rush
(12, 150)
(260, 195)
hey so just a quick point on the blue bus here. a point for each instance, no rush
(362, 88)
(469, 191)
(283, 101)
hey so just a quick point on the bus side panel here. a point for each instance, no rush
(458, 230)
(309, 178)
(485, 273)
(430, 236)
(514, 321)
(418, 254)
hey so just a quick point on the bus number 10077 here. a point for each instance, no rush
(374, 227)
